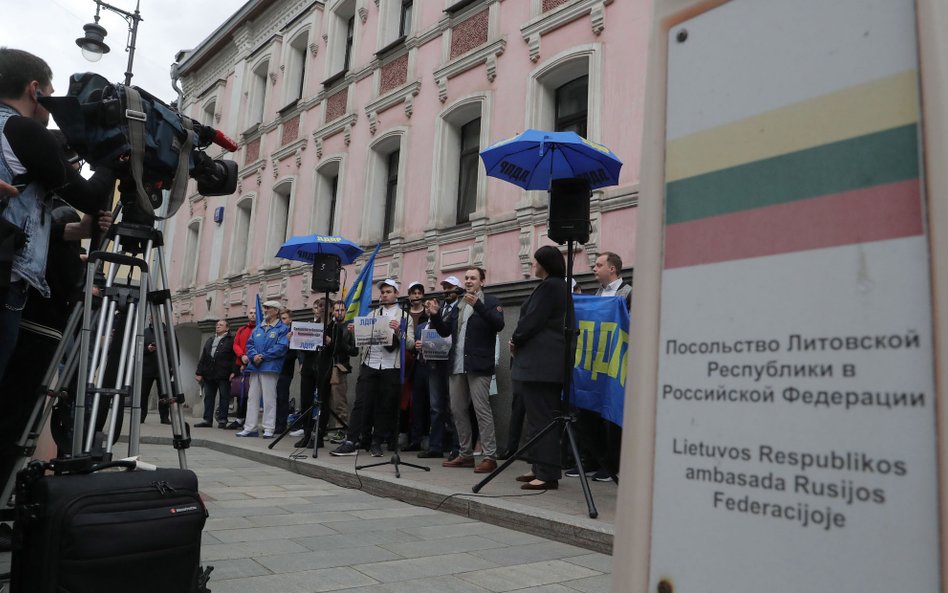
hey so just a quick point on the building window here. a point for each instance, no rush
(241, 239)
(340, 31)
(404, 21)
(458, 181)
(571, 106)
(189, 273)
(558, 96)
(467, 170)
(207, 114)
(258, 93)
(326, 198)
(383, 206)
(296, 68)
(391, 193)
(279, 218)
(350, 35)
(333, 193)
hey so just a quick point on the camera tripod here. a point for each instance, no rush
(106, 367)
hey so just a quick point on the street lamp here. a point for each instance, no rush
(93, 42)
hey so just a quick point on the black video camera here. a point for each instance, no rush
(145, 141)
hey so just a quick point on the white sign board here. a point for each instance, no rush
(372, 331)
(795, 429)
(434, 346)
(306, 336)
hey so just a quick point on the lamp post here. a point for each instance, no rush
(93, 42)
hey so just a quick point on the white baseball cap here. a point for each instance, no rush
(452, 280)
(274, 304)
(389, 282)
(418, 284)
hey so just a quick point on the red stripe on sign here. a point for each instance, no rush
(877, 213)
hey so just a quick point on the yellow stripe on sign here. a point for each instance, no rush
(854, 111)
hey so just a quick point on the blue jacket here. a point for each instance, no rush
(28, 210)
(272, 343)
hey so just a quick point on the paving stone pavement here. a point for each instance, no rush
(273, 530)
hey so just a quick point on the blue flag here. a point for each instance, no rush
(360, 296)
(602, 355)
(259, 311)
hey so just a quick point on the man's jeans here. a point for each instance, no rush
(440, 406)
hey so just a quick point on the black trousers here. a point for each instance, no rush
(377, 392)
(518, 414)
(542, 402)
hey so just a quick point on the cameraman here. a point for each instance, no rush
(31, 160)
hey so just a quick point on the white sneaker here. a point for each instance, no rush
(297, 433)
(267, 434)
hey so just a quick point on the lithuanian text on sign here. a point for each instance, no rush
(795, 435)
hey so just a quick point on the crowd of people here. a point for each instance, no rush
(440, 403)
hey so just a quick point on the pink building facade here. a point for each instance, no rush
(363, 118)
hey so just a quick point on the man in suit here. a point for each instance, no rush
(214, 372)
(607, 268)
(473, 326)
(600, 440)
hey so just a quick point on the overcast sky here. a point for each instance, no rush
(49, 28)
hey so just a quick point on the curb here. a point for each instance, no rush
(589, 534)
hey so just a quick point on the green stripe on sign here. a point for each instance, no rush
(856, 163)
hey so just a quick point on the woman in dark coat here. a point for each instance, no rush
(537, 342)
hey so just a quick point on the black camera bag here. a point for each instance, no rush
(107, 532)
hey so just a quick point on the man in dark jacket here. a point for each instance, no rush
(473, 326)
(215, 369)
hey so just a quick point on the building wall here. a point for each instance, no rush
(490, 53)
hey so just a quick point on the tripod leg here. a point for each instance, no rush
(317, 412)
(583, 480)
(517, 455)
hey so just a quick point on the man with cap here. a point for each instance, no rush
(473, 326)
(438, 371)
(266, 348)
(379, 381)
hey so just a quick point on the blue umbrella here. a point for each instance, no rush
(533, 158)
(306, 247)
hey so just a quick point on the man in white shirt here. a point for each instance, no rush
(379, 381)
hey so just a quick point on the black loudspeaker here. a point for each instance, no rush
(569, 210)
(326, 269)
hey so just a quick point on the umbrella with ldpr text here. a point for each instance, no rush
(305, 248)
(533, 158)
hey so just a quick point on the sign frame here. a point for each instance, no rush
(632, 543)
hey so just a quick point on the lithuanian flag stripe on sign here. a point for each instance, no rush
(828, 171)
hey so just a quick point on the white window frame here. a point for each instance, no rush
(332, 166)
(556, 71)
(192, 250)
(240, 244)
(337, 18)
(447, 152)
(296, 60)
(376, 178)
(256, 93)
(209, 112)
(275, 238)
(390, 16)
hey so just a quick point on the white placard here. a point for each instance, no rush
(434, 346)
(306, 336)
(795, 428)
(372, 331)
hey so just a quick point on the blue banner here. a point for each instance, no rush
(602, 355)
